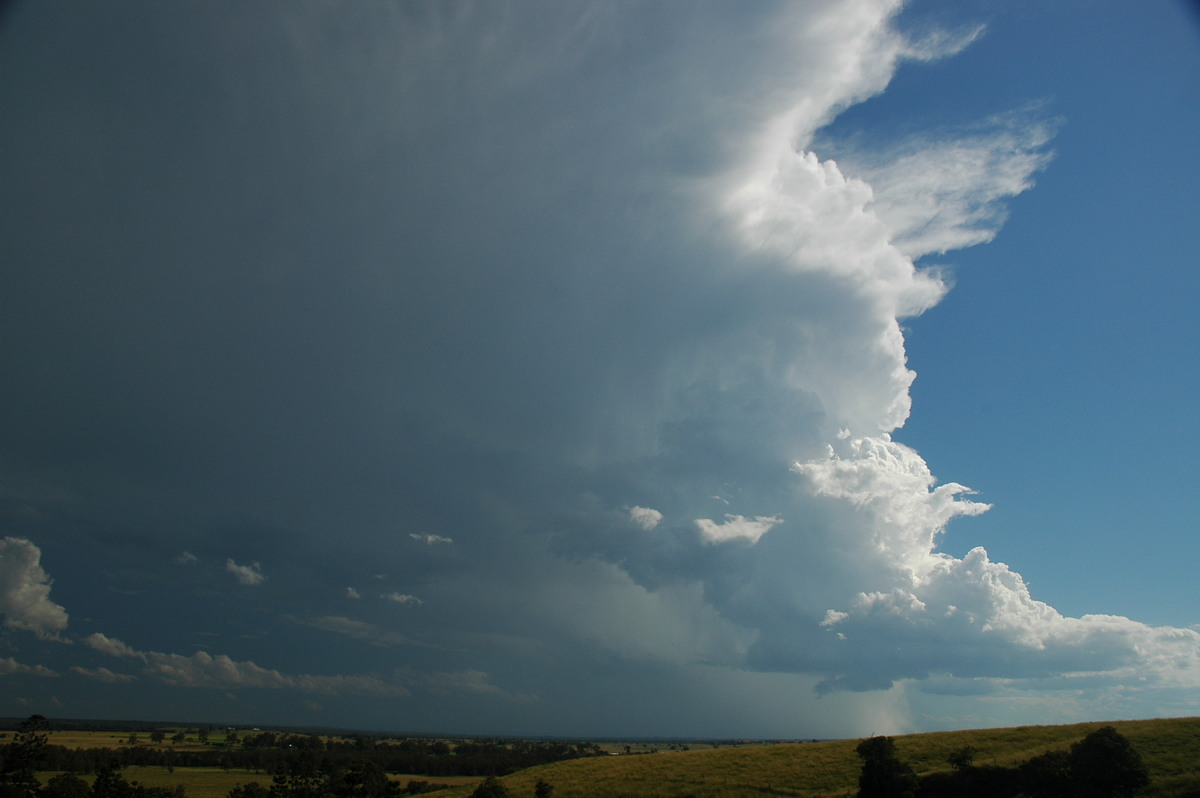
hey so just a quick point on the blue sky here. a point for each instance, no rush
(1059, 355)
(549, 368)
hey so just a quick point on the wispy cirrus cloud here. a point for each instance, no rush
(949, 191)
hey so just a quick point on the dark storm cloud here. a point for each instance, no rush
(522, 349)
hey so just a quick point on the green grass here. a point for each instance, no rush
(1170, 748)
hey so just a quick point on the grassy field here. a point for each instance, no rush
(197, 782)
(217, 782)
(114, 739)
(1170, 748)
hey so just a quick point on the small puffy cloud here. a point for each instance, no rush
(430, 540)
(9, 666)
(401, 598)
(834, 616)
(109, 645)
(246, 574)
(104, 675)
(187, 558)
(25, 590)
(352, 593)
(645, 517)
(736, 527)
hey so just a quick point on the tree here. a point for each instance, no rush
(963, 758)
(21, 758)
(883, 774)
(491, 787)
(66, 785)
(365, 779)
(1105, 765)
(1046, 776)
(543, 789)
(251, 790)
(110, 783)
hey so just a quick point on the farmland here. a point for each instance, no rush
(1170, 749)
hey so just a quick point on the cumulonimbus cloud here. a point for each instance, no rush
(591, 296)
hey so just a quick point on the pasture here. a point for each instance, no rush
(1170, 749)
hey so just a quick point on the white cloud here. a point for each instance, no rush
(430, 540)
(401, 598)
(939, 194)
(939, 43)
(893, 490)
(104, 675)
(469, 681)
(110, 645)
(9, 666)
(246, 574)
(973, 618)
(352, 593)
(25, 590)
(736, 527)
(645, 517)
(967, 618)
(187, 558)
(360, 630)
(221, 672)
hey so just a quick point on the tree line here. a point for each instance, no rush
(1101, 765)
(25, 755)
(271, 753)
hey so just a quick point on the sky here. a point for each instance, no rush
(772, 370)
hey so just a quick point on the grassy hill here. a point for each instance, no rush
(1170, 749)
